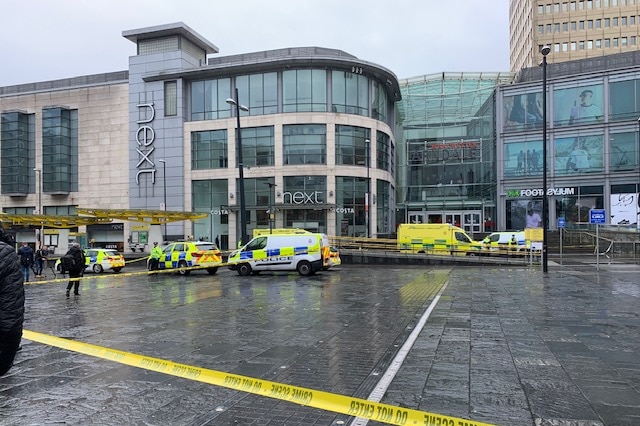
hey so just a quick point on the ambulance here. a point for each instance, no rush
(304, 253)
(436, 238)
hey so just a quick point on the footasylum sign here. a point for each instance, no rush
(538, 192)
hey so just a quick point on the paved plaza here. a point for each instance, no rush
(502, 345)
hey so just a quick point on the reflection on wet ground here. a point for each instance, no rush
(503, 345)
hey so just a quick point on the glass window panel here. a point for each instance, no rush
(523, 158)
(622, 100)
(578, 105)
(304, 144)
(576, 155)
(624, 151)
(209, 150)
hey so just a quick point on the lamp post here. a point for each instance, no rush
(545, 203)
(39, 179)
(367, 202)
(164, 189)
(270, 212)
(243, 213)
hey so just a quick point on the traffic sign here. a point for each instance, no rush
(561, 222)
(597, 216)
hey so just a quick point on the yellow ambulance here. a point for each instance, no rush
(436, 238)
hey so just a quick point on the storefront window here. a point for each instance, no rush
(258, 145)
(304, 90)
(583, 154)
(209, 150)
(523, 158)
(351, 148)
(384, 152)
(575, 209)
(524, 213)
(210, 196)
(350, 206)
(383, 203)
(578, 105)
(350, 93)
(303, 202)
(304, 144)
(624, 151)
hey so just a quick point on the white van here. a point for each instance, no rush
(500, 242)
(304, 253)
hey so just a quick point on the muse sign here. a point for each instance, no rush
(538, 192)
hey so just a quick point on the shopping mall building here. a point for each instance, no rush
(330, 143)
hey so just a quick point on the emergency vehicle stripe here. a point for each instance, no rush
(336, 403)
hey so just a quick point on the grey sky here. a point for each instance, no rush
(48, 40)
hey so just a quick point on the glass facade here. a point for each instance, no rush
(349, 93)
(18, 143)
(209, 150)
(304, 90)
(261, 92)
(209, 99)
(59, 150)
(446, 169)
(258, 146)
(351, 146)
(351, 216)
(304, 144)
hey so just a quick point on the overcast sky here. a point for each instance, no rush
(48, 40)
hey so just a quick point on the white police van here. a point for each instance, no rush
(304, 253)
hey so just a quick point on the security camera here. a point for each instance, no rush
(545, 50)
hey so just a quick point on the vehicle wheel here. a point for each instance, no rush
(97, 268)
(471, 253)
(304, 268)
(181, 265)
(116, 270)
(244, 269)
(212, 271)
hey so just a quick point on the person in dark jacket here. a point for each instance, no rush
(76, 272)
(26, 260)
(11, 302)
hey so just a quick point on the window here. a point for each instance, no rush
(572, 5)
(623, 42)
(258, 146)
(574, 25)
(556, 47)
(598, 23)
(623, 21)
(540, 29)
(581, 5)
(590, 44)
(304, 90)
(540, 9)
(615, 21)
(581, 25)
(607, 23)
(351, 148)
(556, 7)
(565, 26)
(615, 42)
(598, 43)
(581, 44)
(261, 91)
(589, 4)
(607, 43)
(565, 46)
(209, 99)
(304, 144)
(350, 194)
(209, 150)
(547, 8)
(548, 28)
(565, 6)
(590, 24)
(632, 40)
(556, 27)
(573, 45)
(350, 93)
(578, 155)
(170, 98)
(17, 147)
(623, 151)
(384, 153)
(59, 150)
(632, 20)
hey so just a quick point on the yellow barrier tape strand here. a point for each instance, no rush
(303, 396)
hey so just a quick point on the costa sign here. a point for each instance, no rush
(538, 192)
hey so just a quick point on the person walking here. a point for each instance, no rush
(155, 256)
(75, 271)
(41, 260)
(11, 302)
(26, 261)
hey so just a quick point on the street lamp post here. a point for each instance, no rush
(39, 179)
(243, 213)
(164, 188)
(368, 199)
(270, 211)
(545, 202)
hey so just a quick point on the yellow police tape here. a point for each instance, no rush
(303, 396)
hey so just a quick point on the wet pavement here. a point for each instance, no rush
(503, 345)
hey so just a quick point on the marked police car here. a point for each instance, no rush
(99, 260)
(187, 254)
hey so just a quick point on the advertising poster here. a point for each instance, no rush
(523, 158)
(578, 105)
(523, 112)
(625, 209)
(583, 154)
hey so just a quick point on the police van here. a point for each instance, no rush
(304, 253)
(501, 243)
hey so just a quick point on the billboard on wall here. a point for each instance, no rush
(581, 154)
(578, 105)
(625, 209)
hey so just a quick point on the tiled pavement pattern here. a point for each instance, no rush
(505, 346)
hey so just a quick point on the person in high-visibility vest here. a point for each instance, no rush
(513, 243)
(154, 257)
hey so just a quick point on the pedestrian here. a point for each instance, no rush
(11, 302)
(155, 256)
(41, 260)
(26, 261)
(75, 271)
(513, 243)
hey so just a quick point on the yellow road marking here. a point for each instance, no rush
(299, 395)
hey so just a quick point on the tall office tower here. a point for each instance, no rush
(573, 29)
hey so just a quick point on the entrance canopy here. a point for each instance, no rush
(152, 217)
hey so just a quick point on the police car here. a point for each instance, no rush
(186, 254)
(99, 260)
